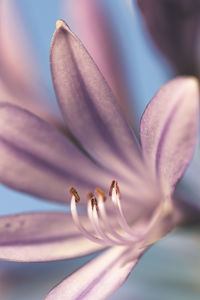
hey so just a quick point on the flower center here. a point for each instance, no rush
(103, 230)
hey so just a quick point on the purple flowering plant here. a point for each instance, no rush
(121, 188)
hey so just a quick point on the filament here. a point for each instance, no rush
(103, 232)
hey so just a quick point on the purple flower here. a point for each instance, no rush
(37, 158)
(174, 26)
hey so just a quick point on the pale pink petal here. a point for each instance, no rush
(87, 103)
(37, 159)
(169, 129)
(42, 237)
(99, 278)
(95, 29)
(20, 79)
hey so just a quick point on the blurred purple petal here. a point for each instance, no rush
(174, 26)
(39, 160)
(20, 79)
(42, 237)
(87, 103)
(169, 129)
(99, 278)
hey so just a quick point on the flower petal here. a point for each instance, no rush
(37, 159)
(42, 237)
(94, 28)
(169, 129)
(87, 103)
(99, 278)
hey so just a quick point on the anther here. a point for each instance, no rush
(74, 193)
(91, 197)
(111, 188)
(101, 193)
(114, 186)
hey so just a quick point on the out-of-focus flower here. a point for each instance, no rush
(20, 80)
(36, 158)
(174, 26)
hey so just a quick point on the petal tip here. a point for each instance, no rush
(61, 24)
(193, 87)
(190, 84)
(192, 81)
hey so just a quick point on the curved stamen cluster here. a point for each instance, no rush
(103, 231)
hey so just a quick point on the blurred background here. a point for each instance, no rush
(170, 269)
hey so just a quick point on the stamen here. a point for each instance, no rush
(91, 198)
(107, 224)
(115, 196)
(104, 233)
(74, 193)
(77, 222)
(157, 215)
(111, 188)
(101, 193)
(94, 218)
(114, 186)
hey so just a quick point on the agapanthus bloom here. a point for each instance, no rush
(139, 209)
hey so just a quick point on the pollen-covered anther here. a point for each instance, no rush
(103, 231)
(74, 193)
(91, 197)
(100, 192)
(114, 187)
